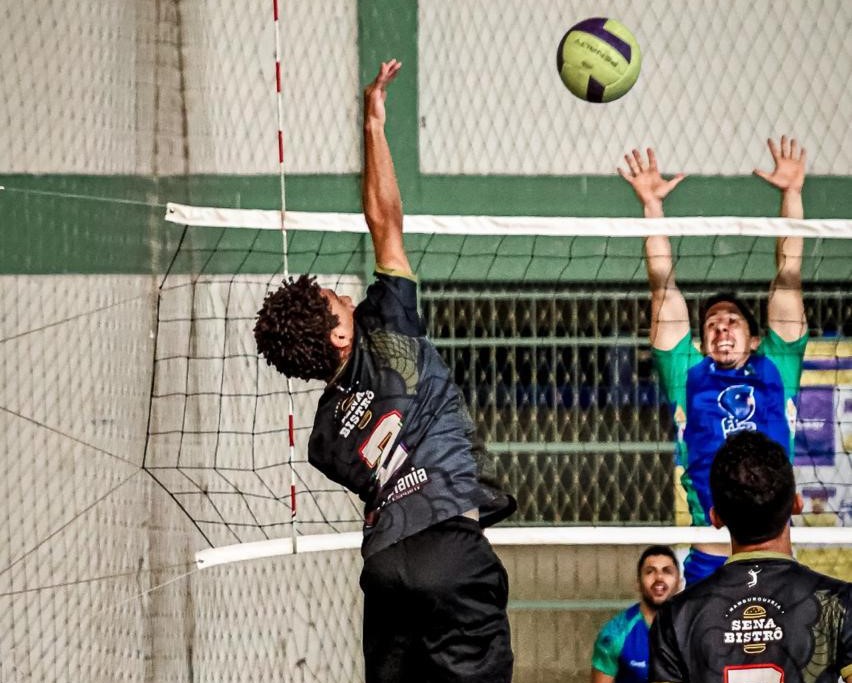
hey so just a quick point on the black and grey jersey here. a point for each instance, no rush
(760, 618)
(394, 428)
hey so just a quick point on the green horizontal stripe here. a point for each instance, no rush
(115, 224)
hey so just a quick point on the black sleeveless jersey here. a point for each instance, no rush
(761, 618)
(394, 428)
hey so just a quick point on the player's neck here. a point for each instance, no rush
(779, 544)
(647, 611)
(344, 361)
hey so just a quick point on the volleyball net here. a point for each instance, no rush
(556, 373)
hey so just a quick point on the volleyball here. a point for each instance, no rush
(598, 59)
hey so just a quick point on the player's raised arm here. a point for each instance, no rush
(380, 191)
(786, 310)
(669, 315)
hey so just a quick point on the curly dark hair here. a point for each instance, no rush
(293, 330)
(753, 487)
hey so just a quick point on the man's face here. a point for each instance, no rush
(727, 339)
(659, 579)
(343, 308)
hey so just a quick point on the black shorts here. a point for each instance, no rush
(435, 609)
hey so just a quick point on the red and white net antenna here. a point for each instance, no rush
(279, 99)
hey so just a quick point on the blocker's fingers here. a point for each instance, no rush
(773, 148)
(785, 147)
(631, 164)
(761, 174)
(652, 159)
(640, 162)
(794, 149)
(674, 182)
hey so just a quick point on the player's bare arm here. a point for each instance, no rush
(669, 316)
(786, 310)
(380, 191)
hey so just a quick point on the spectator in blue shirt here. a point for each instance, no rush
(621, 648)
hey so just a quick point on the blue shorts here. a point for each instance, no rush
(699, 565)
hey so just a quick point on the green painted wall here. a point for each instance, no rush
(97, 224)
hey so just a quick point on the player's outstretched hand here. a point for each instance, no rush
(789, 172)
(376, 93)
(645, 179)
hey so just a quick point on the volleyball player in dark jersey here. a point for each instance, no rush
(393, 427)
(761, 617)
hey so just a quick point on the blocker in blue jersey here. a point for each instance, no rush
(739, 380)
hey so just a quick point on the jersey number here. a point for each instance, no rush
(381, 439)
(754, 673)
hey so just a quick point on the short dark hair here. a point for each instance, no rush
(652, 550)
(730, 297)
(293, 330)
(753, 487)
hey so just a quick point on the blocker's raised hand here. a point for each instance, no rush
(647, 182)
(789, 171)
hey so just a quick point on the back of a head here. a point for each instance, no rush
(293, 329)
(753, 487)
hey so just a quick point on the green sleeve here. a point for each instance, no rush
(787, 357)
(608, 646)
(672, 366)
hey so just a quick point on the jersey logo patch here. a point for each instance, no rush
(355, 409)
(752, 626)
(410, 482)
(739, 404)
(753, 574)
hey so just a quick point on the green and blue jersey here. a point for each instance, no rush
(621, 648)
(709, 403)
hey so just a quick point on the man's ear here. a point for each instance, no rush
(715, 520)
(340, 339)
(754, 342)
(798, 504)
